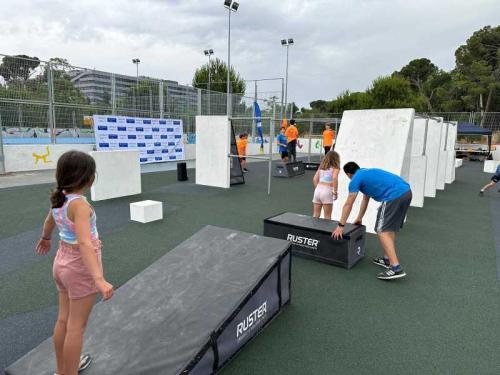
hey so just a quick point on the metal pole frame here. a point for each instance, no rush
(271, 143)
(254, 123)
(52, 120)
(209, 111)
(310, 140)
(2, 153)
(228, 108)
(286, 77)
(160, 98)
(113, 94)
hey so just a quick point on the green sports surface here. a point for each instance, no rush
(444, 318)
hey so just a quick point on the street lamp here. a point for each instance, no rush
(286, 43)
(231, 6)
(136, 61)
(209, 52)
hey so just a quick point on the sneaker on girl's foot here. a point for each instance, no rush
(382, 262)
(85, 361)
(390, 274)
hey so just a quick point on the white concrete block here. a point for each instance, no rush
(443, 157)
(490, 166)
(213, 134)
(450, 147)
(417, 179)
(418, 139)
(146, 211)
(118, 174)
(432, 152)
(458, 163)
(373, 139)
(496, 153)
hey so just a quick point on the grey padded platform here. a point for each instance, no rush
(188, 313)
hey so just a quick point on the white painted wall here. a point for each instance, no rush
(432, 153)
(20, 158)
(418, 162)
(443, 157)
(450, 147)
(374, 139)
(118, 174)
(213, 134)
(490, 166)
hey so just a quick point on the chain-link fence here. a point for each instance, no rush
(53, 101)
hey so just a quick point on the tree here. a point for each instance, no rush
(19, 67)
(394, 92)
(419, 72)
(218, 70)
(479, 66)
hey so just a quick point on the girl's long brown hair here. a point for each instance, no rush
(75, 171)
(331, 160)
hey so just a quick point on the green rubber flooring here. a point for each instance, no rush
(444, 318)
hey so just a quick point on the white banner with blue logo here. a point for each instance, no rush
(157, 139)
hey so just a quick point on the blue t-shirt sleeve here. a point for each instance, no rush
(355, 184)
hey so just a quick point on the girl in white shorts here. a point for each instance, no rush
(326, 182)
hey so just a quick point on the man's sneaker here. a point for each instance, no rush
(481, 193)
(245, 170)
(85, 361)
(389, 274)
(382, 262)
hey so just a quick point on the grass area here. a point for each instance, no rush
(441, 319)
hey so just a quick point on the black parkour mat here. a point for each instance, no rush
(190, 312)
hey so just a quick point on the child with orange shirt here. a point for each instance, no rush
(328, 137)
(241, 144)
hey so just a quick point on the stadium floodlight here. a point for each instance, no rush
(231, 6)
(209, 52)
(286, 43)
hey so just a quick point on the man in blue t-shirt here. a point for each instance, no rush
(281, 141)
(494, 180)
(395, 195)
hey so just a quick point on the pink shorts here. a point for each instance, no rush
(70, 273)
(323, 194)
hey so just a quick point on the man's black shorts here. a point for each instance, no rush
(391, 214)
(327, 148)
(284, 154)
(495, 178)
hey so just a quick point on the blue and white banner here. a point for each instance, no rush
(157, 139)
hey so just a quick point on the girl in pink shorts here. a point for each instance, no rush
(77, 266)
(326, 182)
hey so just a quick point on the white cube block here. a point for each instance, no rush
(490, 166)
(458, 163)
(146, 211)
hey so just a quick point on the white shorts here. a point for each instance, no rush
(323, 194)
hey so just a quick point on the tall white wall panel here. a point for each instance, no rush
(432, 153)
(118, 174)
(418, 162)
(374, 139)
(450, 165)
(443, 157)
(213, 134)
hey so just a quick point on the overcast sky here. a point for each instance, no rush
(338, 44)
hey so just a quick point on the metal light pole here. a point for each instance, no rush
(136, 61)
(209, 52)
(232, 6)
(286, 43)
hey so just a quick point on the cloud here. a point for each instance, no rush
(338, 45)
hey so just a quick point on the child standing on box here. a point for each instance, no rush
(326, 181)
(77, 266)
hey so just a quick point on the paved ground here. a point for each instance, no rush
(442, 319)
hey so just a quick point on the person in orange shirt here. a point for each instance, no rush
(328, 137)
(292, 134)
(241, 144)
